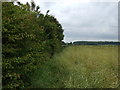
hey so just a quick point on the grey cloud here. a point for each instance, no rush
(91, 36)
(49, 4)
(85, 21)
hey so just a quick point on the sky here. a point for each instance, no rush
(84, 20)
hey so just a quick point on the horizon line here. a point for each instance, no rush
(93, 40)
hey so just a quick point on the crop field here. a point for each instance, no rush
(80, 67)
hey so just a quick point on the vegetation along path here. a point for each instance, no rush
(80, 67)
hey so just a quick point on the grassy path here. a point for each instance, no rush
(80, 67)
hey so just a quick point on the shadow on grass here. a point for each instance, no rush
(49, 75)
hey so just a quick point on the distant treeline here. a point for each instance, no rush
(93, 43)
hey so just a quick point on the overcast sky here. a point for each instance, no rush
(84, 20)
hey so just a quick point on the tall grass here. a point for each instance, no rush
(80, 67)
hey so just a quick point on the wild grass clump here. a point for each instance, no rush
(80, 67)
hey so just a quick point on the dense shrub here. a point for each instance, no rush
(29, 38)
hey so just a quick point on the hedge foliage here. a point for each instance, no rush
(28, 39)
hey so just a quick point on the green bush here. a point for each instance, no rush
(29, 38)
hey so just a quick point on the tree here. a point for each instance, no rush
(28, 40)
